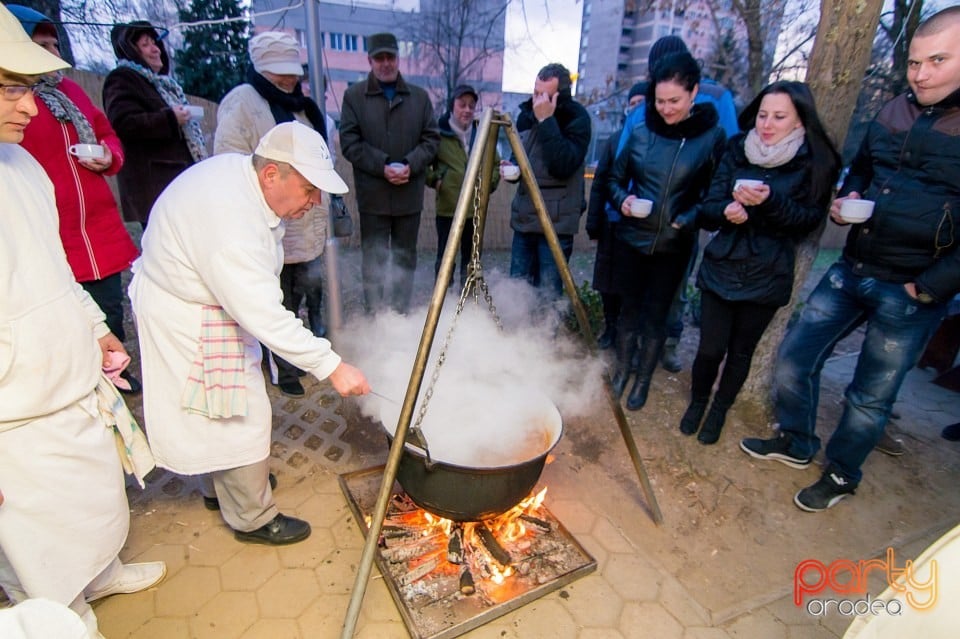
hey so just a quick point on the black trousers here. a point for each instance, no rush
(108, 294)
(444, 225)
(732, 330)
(299, 281)
(389, 247)
(647, 284)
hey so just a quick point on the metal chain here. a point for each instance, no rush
(474, 284)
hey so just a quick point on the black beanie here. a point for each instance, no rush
(663, 46)
(640, 88)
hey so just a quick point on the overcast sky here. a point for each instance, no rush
(549, 34)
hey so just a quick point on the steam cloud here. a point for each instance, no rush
(493, 401)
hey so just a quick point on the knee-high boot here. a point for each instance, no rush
(713, 424)
(649, 357)
(626, 347)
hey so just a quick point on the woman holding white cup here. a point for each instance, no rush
(668, 162)
(771, 189)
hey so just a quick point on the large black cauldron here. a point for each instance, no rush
(469, 493)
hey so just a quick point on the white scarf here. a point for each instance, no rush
(778, 154)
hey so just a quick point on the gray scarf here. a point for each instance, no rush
(172, 93)
(760, 154)
(63, 108)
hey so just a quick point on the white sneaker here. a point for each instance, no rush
(133, 578)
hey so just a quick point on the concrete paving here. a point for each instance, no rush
(720, 566)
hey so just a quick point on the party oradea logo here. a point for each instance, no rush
(841, 586)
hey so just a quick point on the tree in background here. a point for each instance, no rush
(459, 37)
(213, 58)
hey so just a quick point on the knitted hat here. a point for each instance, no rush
(464, 89)
(663, 46)
(382, 43)
(640, 88)
(275, 52)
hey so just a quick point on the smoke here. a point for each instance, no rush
(492, 403)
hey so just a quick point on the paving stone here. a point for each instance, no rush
(382, 631)
(164, 628)
(187, 591)
(123, 615)
(593, 602)
(759, 623)
(266, 628)
(575, 516)
(288, 593)
(632, 576)
(324, 617)
(642, 620)
(173, 555)
(599, 633)
(544, 618)
(310, 553)
(213, 547)
(332, 577)
(705, 633)
(228, 614)
(250, 568)
(611, 538)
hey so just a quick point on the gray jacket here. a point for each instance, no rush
(375, 132)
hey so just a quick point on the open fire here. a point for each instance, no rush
(449, 577)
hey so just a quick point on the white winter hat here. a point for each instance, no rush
(304, 149)
(275, 52)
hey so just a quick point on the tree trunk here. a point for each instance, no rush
(841, 53)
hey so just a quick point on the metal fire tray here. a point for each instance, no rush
(438, 611)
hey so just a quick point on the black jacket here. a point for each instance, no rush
(909, 164)
(672, 166)
(556, 149)
(754, 261)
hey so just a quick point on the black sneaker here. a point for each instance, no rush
(828, 490)
(777, 449)
(292, 388)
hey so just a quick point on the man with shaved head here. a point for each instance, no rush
(899, 269)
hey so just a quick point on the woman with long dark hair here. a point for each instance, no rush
(747, 268)
(668, 161)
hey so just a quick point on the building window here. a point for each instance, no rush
(336, 41)
(350, 42)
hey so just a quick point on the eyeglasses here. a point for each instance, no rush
(14, 92)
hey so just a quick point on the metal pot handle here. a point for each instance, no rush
(416, 438)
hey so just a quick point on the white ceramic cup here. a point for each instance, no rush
(87, 151)
(746, 182)
(196, 112)
(640, 207)
(397, 166)
(510, 171)
(856, 211)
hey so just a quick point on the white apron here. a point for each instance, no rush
(65, 515)
(181, 441)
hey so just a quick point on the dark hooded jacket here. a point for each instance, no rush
(671, 165)
(156, 151)
(909, 165)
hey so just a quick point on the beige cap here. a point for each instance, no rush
(20, 54)
(304, 149)
(275, 52)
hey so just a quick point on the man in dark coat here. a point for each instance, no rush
(556, 134)
(899, 269)
(389, 134)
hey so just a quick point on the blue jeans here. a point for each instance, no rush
(898, 329)
(530, 258)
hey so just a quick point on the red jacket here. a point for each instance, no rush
(94, 238)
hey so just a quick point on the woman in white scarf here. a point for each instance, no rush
(791, 167)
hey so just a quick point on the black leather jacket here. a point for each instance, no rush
(754, 261)
(909, 164)
(672, 166)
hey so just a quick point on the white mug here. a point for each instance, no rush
(510, 172)
(856, 211)
(397, 166)
(86, 151)
(196, 112)
(640, 207)
(746, 182)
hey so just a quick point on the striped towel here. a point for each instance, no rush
(215, 386)
(135, 455)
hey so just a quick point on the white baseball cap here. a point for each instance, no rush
(304, 149)
(20, 54)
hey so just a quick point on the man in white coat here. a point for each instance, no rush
(63, 507)
(206, 293)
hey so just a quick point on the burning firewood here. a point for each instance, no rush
(540, 524)
(467, 586)
(397, 551)
(455, 546)
(420, 571)
(492, 545)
